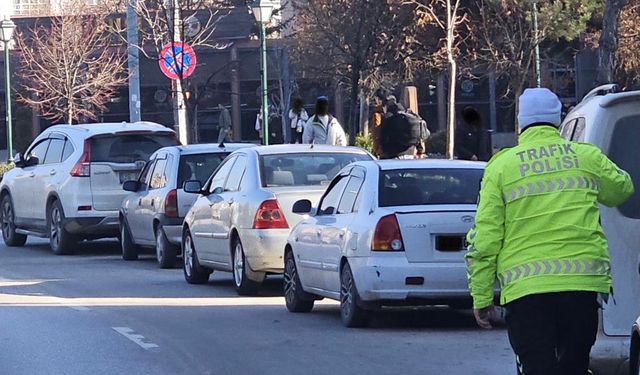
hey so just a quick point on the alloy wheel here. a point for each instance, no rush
(7, 219)
(188, 256)
(238, 265)
(290, 280)
(346, 292)
(55, 226)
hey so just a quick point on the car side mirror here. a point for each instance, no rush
(18, 160)
(302, 207)
(192, 186)
(33, 160)
(131, 186)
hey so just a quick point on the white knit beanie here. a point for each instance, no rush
(539, 105)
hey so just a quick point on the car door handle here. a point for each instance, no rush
(140, 202)
(318, 232)
(341, 234)
(52, 172)
(32, 174)
(153, 203)
(230, 201)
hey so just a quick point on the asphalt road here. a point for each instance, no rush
(93, 313)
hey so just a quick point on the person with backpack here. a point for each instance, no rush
(298, 116)
(402, 133)
(322, 128)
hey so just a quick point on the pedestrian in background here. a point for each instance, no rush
(322, 128)
(468, 145)
(224, 124)
(401, 133)
(380, 99)
(298, 116)
(537, 232)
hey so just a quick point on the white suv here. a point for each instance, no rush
(68, 185)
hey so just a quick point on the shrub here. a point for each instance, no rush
(365, 142)
(5, 167)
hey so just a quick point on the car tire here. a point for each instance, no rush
(296, 299)
(129, 248)
(166, 252)
(194, 273)
(634, 357)
(244, 285)
(9, 235)
(351, 311)
(61, 241)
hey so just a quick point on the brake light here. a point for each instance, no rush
(387, 236)
(171, 204)
(83, 166)
(270, 216)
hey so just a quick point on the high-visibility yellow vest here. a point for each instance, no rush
(537, 228)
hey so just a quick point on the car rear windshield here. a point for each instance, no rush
(414, 187)
(128, 148)
(199, 166)
(304, 169)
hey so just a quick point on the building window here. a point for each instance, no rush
(30, 7)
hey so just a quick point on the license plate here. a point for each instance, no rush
(128, 176)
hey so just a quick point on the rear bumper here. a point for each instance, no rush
(173, 230)
(390, 277)
(264, 248)
(95, 226)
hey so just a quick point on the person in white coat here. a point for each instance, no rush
(322, 128)
(298, 116)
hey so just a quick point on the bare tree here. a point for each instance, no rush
(70, 68)
(450, 18)
(356, 44)
(609, 40)
(628, 53)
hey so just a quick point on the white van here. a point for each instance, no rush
(611, 121)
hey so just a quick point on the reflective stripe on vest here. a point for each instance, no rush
(550, 186)
(554, 267)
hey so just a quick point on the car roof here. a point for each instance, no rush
(206, 148)
(89, 130)
(302, 148)
(393, 164)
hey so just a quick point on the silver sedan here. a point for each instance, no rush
(242, 218)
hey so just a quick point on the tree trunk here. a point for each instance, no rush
(353, 111)
(451, 115)
(609, 41)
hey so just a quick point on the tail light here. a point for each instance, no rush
(83, 166)
(387, 236)
(171, 204)
(270, 216)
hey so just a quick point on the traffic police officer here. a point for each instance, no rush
(538, 233)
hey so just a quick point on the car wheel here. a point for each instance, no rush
(296, 299)
(129, 248)
(244, 285)
(166, 252)
(193, 272)
(9, 235)
(634, 358)
(61, 241)
(351, 312)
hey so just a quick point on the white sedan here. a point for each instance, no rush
(634, 357)
(241, 220)
(384, 233)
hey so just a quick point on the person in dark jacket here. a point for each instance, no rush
(401, 134)
(468, 141)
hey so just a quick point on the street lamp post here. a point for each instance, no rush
(6, 32)
(537, 42)
(262, 11)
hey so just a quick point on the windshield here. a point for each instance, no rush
(304, 169)
(414, 187)
(199, 167)
(128, 148)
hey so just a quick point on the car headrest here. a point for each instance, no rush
(283, 178)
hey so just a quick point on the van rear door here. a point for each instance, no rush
(622, 224)
(119, 157)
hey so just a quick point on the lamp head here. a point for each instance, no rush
(6, 29)
(262, 11)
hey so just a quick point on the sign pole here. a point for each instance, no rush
(265, 92)
(133, 62)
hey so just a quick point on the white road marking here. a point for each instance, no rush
(136, 338)
(79, 308)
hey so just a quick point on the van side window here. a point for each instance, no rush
(624, 139)
(578, 132)
(54, 153)
(68, 150)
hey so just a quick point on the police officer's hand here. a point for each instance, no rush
(484, 316)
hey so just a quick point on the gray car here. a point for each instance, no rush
(152, 215)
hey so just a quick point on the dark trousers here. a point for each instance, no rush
(295, 136)
(552, 333)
